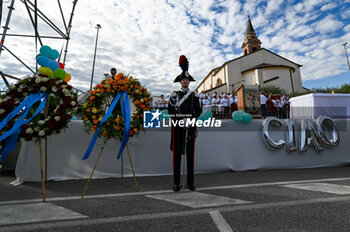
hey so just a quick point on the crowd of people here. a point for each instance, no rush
(274, 105)
(224, 104)
(219, 104)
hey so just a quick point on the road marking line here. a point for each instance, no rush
(164, 215)
(220, 221)
(321, 187)
(197, 199)
(170, 191)
(34, 213)
(273, 183)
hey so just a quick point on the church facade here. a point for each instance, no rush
(257, 66)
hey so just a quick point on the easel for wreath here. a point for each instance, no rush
(98, 158)
(121, 86)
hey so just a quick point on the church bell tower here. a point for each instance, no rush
(251, 42)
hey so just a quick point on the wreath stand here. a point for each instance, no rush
(45, 159)
(122, 165)
(98, 158)
(42, 173)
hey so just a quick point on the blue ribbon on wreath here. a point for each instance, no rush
(126, 115)
(14, 132)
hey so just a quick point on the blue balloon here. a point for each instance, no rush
(247, 118)
(54, 54)
(237, 115)
(201, 118)
(210, 114)
(45, 50)
(207, 114)
(53, 65)
(43, 61)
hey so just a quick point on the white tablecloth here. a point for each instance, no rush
(312, 105)
(236, 146)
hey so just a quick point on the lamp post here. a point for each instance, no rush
(346, 53)
(98, 26)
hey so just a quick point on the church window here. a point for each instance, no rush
(218, 82)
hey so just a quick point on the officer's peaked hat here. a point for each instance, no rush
(183, 63)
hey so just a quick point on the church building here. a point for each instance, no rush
(257, 66)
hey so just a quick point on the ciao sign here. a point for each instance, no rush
(324, 134)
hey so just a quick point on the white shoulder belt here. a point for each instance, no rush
(184, 98)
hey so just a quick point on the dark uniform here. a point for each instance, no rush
(190, 107)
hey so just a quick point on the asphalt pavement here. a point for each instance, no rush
(264, 200)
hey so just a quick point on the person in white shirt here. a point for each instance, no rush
(167, 101)
(201, 98)
(225, 105)
(220, 111)
(220, 98)
(162, 103)
(156, 104)
(231, 100)
(234, 96)
(153, 105)
(274, 102)
(215, 102)
(209, 97)
(224, 101)
(263, 100)
(206, 103)
(283, 101)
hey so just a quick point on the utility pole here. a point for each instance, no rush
(346, 53)
(98, 27)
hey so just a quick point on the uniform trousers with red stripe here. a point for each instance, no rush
(178, 137)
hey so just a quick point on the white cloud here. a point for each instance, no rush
(273, 6)
(301, 31)
(328, 24)
(145, 38)
(307, 5)
(345, 14)
(328, 6)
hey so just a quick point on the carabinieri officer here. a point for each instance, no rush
(183, 105)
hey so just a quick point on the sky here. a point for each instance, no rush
(145, 38)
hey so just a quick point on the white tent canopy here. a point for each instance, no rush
(312, 105)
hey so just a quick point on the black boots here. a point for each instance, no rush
(189, 186)
(176, 188)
